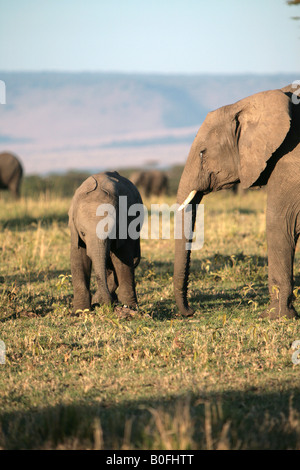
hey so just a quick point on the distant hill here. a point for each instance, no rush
(94, 121)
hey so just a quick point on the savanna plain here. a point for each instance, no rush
(151, 379)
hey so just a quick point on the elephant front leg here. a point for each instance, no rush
(81, 274)
(281, 252)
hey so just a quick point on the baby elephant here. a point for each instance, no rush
(105, 237)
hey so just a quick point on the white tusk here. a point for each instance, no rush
(188, 200)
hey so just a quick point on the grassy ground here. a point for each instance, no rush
(223, 379)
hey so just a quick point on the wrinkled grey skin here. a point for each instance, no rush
(255, 142)
(151, 182)
(113, 260)
(11, 173)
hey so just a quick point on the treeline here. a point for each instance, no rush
(64, 185)
(61, 185)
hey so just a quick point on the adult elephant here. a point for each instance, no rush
(11, 173)
(101, 238)
(151, 182)
(255, 142)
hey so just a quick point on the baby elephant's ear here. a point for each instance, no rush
(75, 238)
(263, 122)
(90, 184)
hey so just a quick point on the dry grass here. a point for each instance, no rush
(221, 380)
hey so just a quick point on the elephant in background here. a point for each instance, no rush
(255, 141)
(151, 182)
(113, 258)
(11, 173)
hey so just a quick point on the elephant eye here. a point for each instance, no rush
(83, 234)
(201, 154)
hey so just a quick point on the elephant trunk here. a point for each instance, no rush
(100, 253)
(182, 246)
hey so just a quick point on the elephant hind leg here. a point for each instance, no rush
(112, 283)
(282, 239)
(81, 273)
(124, 268)
(15, 190)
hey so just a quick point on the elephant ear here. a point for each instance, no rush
(89, 185)
(75, 238)
(263, 122)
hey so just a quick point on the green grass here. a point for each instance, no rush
(223, 379)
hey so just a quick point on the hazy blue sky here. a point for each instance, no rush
(160, 36)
